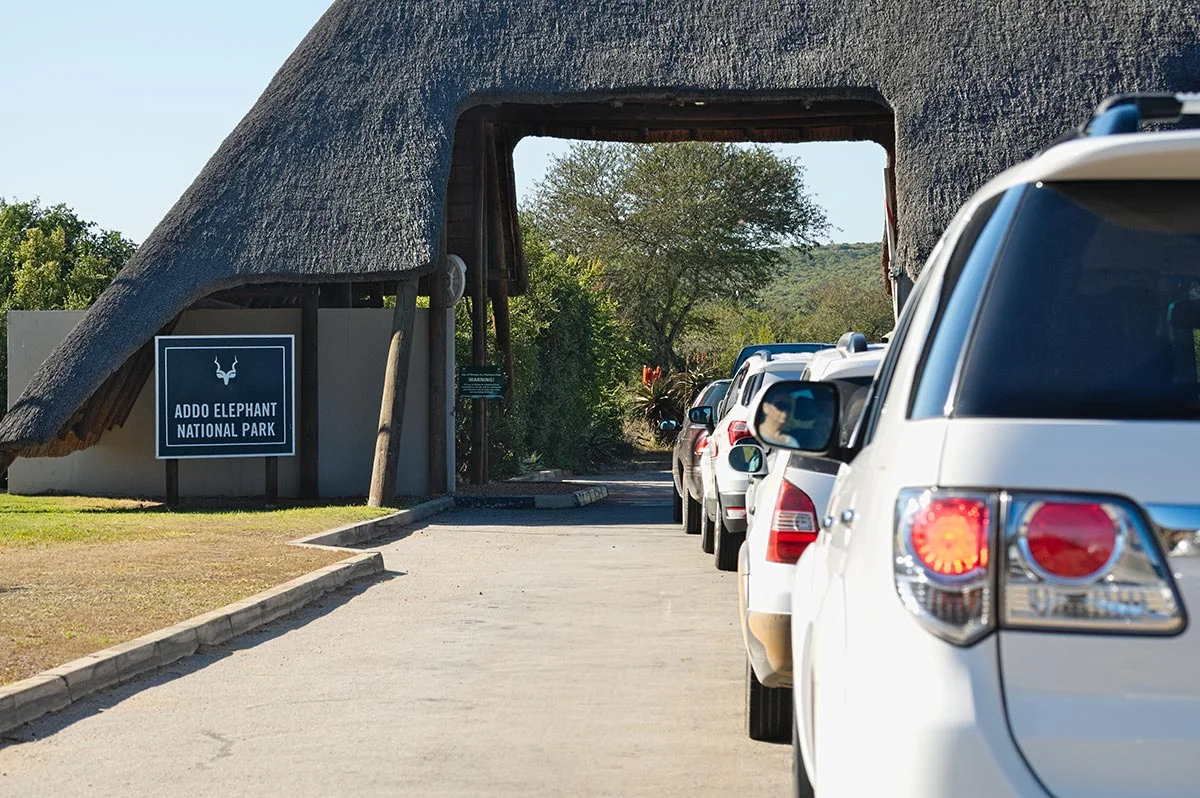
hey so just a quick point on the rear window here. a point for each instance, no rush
(1094, 307)
(713, 395)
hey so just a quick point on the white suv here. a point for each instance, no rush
(998, 602)
(723, 522)
(785, 508)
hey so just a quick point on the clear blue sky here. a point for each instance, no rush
(114, 106)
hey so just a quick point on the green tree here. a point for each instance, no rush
(675, 226)
(50, 259)
(819, 295)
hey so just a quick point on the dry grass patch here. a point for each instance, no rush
(81, 574)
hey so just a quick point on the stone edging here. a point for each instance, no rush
(57, 688)
(580, 498)
(353, 534)
(548, 475)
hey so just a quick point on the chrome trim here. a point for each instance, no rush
(1177, 527)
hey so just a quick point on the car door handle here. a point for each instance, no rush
(847, 517)
(828, 522)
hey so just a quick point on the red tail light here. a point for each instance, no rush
(701, 442)
(738, 431)
(1070, 563)
(950, 536)
(793, 526)
(1070, 541)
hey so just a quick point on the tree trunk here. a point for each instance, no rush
(395, 390)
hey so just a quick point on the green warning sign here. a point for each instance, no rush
(481, 382)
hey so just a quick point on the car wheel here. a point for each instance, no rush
(692, 511)
(676, 507)
(801, 786)
(768, 710)
(725, 545)
(706, 532)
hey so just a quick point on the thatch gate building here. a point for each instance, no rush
(385, 141)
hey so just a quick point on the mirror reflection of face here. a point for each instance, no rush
(776, 415)
(799, 418)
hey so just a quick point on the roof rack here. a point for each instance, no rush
(1126, 113)
(852, 342)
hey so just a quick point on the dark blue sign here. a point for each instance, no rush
(225, 396)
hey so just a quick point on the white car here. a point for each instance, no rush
(723, 521)
(998, 602)
(785, 507)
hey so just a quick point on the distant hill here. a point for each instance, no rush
(804, 270)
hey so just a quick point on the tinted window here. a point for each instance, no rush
(732, 392)
(751, 388)
(1093, 308)
(966, 275)
(852, 393)
(713, 395)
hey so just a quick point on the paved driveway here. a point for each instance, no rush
(513, 653)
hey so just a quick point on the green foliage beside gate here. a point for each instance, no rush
(572, 359)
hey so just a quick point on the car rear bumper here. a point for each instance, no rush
(767, 635)
(733, 512)
(769, 646)
(931, 714)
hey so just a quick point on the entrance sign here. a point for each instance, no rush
(224, 396)
(481, 382)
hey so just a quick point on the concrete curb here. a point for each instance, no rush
(60, 687)
(580, 498)
(353, 534)
(549, 475)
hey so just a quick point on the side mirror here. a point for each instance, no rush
(668, 427)
(748, 458)
(701, 415)
(798, 416)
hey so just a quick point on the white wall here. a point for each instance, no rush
(352, 355)
(353, 346)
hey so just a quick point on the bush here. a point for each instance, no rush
(571, 357)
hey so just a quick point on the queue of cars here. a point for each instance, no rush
(993, 598)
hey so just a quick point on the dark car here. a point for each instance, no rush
(776, 349)
(685, 458)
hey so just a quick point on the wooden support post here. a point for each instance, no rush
(438, 389)
(478, 266)
(309, 397)
(272, 481)
(395, 390)
(172, 491)
(6, 460)
(496, 257)
(503, 328)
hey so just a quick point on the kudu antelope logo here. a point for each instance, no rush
(226, 376)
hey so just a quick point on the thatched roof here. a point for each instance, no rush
(340, 169)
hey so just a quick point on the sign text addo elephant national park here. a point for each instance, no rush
(225, 396)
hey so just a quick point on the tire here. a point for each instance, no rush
(768, 710)
(692, 512)
(676, 507)
(707, 529)
(801, 786)
(725, 545)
